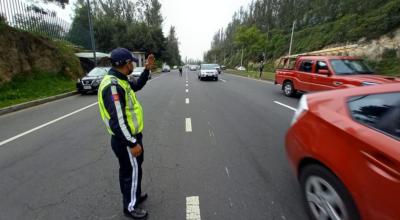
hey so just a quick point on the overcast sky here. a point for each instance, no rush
(196, 21)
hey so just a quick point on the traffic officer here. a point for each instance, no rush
(123, 116)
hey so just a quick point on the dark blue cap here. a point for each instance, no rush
(121, 56)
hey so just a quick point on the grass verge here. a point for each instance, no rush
(253, 74)
(24, 88)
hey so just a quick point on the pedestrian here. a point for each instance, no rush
(123, 116)
(180, 70)
(261, 68)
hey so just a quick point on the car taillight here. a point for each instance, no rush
(303, 107)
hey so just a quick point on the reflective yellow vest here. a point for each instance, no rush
(133, 109)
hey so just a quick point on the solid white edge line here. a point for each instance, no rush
(187, 101)
(44, 125)
(263, 81)
(188, 122)
(287, 106)
(53, 121)
(193, 208)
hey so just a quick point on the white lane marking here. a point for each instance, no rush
(188, 124)
(187, 90)
(187, 85)
(263, 81)
(187, 100)
(287, 106)
(230, 202)
(223, 80)
(193, 208)
(44, 125)
(187, 81)
(227, 172)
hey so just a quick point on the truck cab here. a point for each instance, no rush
(319, 73)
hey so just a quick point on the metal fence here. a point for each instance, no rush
(33, 19)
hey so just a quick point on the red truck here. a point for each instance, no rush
(317, 73)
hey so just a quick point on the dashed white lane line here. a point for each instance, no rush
(223, 80)
(187, 90)
(187, 85)
(227, 172)
(287, 106)
(46, 124)
(187, 101)
(193, 208)
(188, 122)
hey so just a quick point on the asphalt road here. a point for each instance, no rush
(58, 163)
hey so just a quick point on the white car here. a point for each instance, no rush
(208, 71)
(193, 68)
(137, 72)
(241, 68)
(166, 68)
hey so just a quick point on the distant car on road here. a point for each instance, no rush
(208, 71)
(192, 68)
(166, 68)
(223, 67)
(317, 73)
(241, 68)
(344, 146)
(91, 82)
(137, 72)
(175, 67)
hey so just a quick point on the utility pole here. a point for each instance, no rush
(291, 38)
(91, 33)
(241, 60)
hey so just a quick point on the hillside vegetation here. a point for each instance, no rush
(264, 27)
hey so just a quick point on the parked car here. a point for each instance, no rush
(175, 67)
(91, 82)
(223, 67)
(166, 68)
(317, 73)
(208, 71)
(241, 68)
(137, 72)
(344, 147)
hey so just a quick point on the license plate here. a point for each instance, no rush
(87, 87)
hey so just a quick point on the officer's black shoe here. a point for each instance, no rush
(136, 214)
(142, 198)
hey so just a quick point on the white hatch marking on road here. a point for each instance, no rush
(187, 100)
(46, 124)
(287, 106)
(223, 80)
(188, 125)
(187, 90)
(227, 172)
(193, 208)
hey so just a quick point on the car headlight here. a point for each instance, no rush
(303, 107)
(368, 83)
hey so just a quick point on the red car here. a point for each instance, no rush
(318, 73)
(344, 146)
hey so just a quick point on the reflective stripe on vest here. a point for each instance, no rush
(133, 109)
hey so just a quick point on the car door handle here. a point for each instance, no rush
(382, 165)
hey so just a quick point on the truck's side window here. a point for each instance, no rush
(321, 65)
(306, 66)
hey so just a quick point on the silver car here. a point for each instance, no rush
(208, 71)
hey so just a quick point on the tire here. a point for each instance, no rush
(288, 89)
(216, 78)
(82, 92)
(323, 191)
